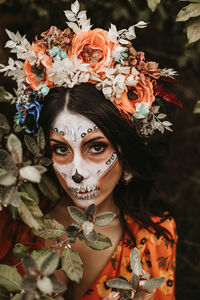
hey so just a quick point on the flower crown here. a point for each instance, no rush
(78, 54)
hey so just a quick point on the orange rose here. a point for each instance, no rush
(93, 47)
(142, 92)
(32, 77)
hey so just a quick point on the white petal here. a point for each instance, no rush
(75, 7)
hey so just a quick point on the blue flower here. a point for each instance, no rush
(57, 52)
(43, 89)
(28, 116)
(142, 110)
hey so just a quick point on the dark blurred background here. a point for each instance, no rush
(165, 41)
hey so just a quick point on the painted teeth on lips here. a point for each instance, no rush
(88, 188)
(87, 196)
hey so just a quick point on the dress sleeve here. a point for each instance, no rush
(158, 257)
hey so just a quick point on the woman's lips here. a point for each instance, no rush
(84, 193)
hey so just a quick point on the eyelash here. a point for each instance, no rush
(57, 147)
(102, 145)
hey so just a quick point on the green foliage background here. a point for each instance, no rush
(165, 41)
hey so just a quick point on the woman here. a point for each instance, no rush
(85, 132)
(98, 101)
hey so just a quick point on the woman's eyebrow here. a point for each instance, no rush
(57, 141)
(92, 140)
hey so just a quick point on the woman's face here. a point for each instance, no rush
(84, 160)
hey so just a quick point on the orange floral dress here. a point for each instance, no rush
(158, 255)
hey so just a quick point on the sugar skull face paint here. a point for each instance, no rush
(84, 160)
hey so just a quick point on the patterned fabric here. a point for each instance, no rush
(157, 255)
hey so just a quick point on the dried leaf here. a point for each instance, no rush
(10, 278)
(77, 214)
(102, 242)
(72, 265)
(135, 261)
(119, 283)
(70, 15)
(15, 147)
(29, 283)
(90, 212)
(190, 11)
(104, 219)
(75, 7)
(40, 256)
(134, 281)
(4, 294)
(153, 283)
(91, 237)
(58, 286)
(29, 188)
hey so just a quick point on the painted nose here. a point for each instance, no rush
(77, 177)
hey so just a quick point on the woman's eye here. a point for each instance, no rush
(99, 148)
(61, 150)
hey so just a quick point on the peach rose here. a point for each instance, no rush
(31, 76)
(141, 93)
(93, 47)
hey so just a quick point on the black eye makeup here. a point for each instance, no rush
(60, 149)
(97, 147)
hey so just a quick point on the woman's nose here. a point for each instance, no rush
(77, 177)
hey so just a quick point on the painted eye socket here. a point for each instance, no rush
(98, 148)
(62, 150)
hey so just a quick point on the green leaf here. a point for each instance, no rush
(4, 125)
(29, 283)
(135, 261)
(152, 4)
(10, 278)
(58, 287)
(50, 263)
(17, 297)
(4, 294)
(17, 128)
(29, 265)
(52, 229)
(193, 32)
(20, 250)
(41, 255)
(30, 173)
(49, 188)
(6, 179)
(41, 139)
(10, 195)
(90, 212)
(31, 191)
(102, 242)
(31, 144)
(31, 214)
(72, 265)
(104, 218)
(153, 283)
(77, 214)
(45, 285)
(7, 163)
(134, 281)
(119, 283)
(197, 108)
(91, 237)
(15, 147)
(190, 11)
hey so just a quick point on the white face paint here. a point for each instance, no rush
(82, 157)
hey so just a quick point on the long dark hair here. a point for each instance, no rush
(136, 154)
